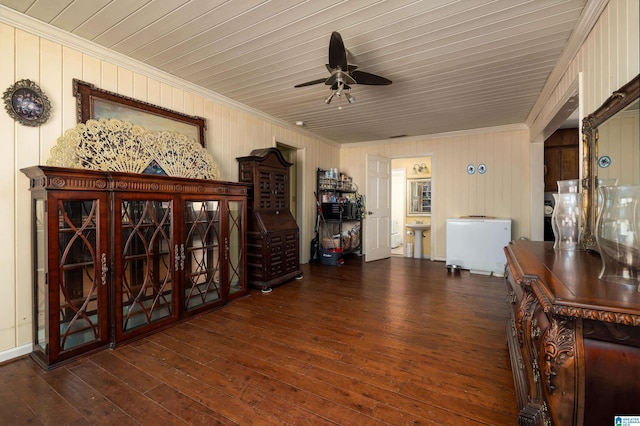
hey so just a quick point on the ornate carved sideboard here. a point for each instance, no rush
(119, 255)
(574, 340)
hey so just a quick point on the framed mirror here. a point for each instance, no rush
(419, 197)
(611, 150)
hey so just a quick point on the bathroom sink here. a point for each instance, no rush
(418, 228)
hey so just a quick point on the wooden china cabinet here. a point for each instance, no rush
(273, 247)
(117, 255)
(574, 340)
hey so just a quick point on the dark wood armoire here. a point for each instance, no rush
(273, 240)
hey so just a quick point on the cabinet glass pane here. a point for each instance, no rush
(42, 334)
(147, 272)
(235, 247)
(202, 253)
(77, 260)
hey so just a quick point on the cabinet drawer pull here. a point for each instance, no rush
(105, 268)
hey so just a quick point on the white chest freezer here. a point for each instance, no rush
(478, 244)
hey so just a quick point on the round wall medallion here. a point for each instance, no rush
(25, 103)
(604, 161)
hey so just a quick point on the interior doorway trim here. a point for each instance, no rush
(301, 199)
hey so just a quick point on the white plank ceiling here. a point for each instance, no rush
(455, 65)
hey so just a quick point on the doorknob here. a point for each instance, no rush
(369, 212)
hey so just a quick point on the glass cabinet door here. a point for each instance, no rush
(76, 286)
(145, 257)
(234, 248)
(202, 263)
(213, 252)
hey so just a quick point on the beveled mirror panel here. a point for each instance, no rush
(611, 150)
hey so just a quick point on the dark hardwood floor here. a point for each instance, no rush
(398, 341)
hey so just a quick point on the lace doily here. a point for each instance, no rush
(116, 145)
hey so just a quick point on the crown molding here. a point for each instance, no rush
(44, 30)
(588, 19)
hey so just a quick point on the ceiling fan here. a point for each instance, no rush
(343, 74)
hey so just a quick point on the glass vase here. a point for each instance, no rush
(603, 182)
(568, 218)
(554, 226)
(618, 234)
(568, 186)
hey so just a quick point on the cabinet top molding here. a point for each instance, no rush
(264, 154)
(566, 283)
(54, 178)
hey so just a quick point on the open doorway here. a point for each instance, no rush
(561, 154)
(411, 207)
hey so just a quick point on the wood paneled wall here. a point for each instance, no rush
(609, 58)
(232, 131)
(503, 191)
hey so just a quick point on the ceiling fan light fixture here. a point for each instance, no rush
(342, 74)
(328, 100)
(350, 98)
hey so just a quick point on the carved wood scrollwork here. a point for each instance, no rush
(559, 342)
(536, 371)
(598, 315)
(535, 330)
(511, 298)
(545, 414)
(525, 312)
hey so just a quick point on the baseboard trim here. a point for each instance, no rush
(17, 352)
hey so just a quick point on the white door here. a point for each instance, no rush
(378, 226)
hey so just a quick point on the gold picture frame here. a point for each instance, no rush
(94, 103)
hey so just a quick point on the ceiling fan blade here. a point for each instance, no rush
(367, 78)
(337, 52)
(311, 83)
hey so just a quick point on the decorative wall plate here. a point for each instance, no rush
(482, 169)
(25, 102)
(604, 161)
(471, 169)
